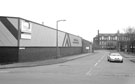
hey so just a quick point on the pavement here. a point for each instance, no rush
(129, 56)
(42, 63)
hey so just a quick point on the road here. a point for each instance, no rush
(92, 69)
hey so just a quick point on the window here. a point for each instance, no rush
(100, 43)
(102, 37)
(109, 38)
(116, 38)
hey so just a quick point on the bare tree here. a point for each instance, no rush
(130, 33)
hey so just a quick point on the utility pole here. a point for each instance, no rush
(57, 38)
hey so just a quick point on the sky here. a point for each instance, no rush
(83, 17)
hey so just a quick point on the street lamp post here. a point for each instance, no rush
(57, 46)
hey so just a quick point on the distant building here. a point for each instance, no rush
(110, 41)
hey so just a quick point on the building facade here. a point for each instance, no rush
(110, 41)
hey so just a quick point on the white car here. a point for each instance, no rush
(115, 57)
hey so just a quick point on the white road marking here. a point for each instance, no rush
(96, 64)
(89, 72)
(99, 61)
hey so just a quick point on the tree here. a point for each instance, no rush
(130, 34)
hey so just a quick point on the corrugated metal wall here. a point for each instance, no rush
(68, 40)
(75, 41)
(22, 40)
(8, 31)
(41, 36)
(39, 42)
(8, 40)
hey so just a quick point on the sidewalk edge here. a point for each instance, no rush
(44, 63)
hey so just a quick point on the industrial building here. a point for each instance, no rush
(23, 40)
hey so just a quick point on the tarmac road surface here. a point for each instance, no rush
(91, 69)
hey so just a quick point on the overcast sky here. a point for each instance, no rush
(84, 17)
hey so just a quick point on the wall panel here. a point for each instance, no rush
(40, 36)
(8, 31)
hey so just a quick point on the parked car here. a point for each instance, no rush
(115, 57)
